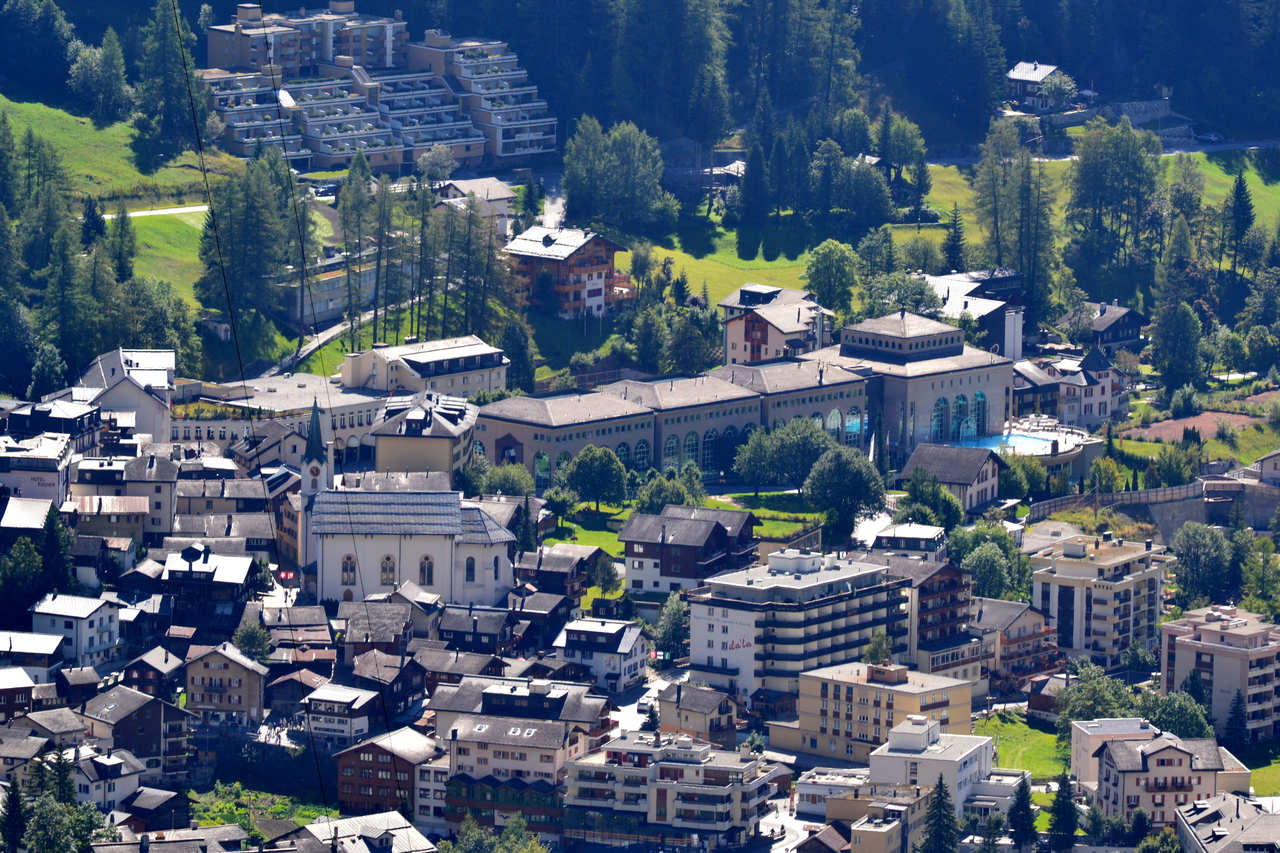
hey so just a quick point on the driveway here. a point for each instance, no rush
(162, 211)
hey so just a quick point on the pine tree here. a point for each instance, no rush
(1236, 733)
(113, 98)
(527, 536)
(1022, 820)
(755, 189)
(8, 165)
(171, 97)
(941, 828)
(122, 242)
(55, 554)
(92, 225)
(921, 183)
(15, 818)
(953, 246)
(64, 789)
(1063, 817)
(353, 211)
(1241, 216)
(64, 311)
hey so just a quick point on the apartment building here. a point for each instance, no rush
(459, 367)
(881, 818)
(156, 732)
(298, 43)
(846, 711)
(38, 468)
(933, 387)
(569, 270)
(338, 715)
(225, 686)
(1088, 736)
(1100, 594)
(757, 629)
(436, 434)
(917, 751)
(495, 91)
(150, 476)
(647, 787)
(939, 640)
(16, 688)
(1023, 645)
(90, 627)
(1234, 652)
(1226, 823)
(613, 651)
(1161, 775)
(386, 772)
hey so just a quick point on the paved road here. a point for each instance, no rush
(163, 211)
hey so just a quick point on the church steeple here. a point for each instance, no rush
(315, 450)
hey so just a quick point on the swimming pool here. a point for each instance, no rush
(1022, 443)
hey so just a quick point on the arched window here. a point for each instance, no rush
(853, 427)
(731, 437)
(471, 569)
(671, 452)
(426, 572)
(642, 454)
(709, 450)
(387, 571)
(834, 424)
(959, 414)
(938, 426)
(691, 448)
(348, 570)
(495, 566)
(980, 413)
(623, 452)
(542, 470)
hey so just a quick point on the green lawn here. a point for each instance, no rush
(781, 514)
(99, 161)
(168, 248)
(709, 254)
(1021, 745)
(1138, 447)
(600, 537)
(1250, 444)
(594, 592)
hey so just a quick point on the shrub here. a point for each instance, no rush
(1273, 414)
(1225, 432)
(1184, 403)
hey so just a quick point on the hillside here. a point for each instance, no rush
(99, 160)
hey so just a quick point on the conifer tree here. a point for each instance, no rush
(953, 246)
(941, 828)
(1063, 817)
(122, 242)
(14, 822)
(1022, 820)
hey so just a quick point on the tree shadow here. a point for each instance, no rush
(1266, 161)
(787, 239)
(748, 239)
(697, 235)
(1231, 162)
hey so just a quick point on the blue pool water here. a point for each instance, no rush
(1018, 442)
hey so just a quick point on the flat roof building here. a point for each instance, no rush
(759, 628)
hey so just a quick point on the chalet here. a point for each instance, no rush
(155, 673)
(1113, 327)
(490, 630)
(562, 568)
(666, 553)
(154, 730)
(569, 270)
(398, 680)
(1024, 82)
(382, 625)
(613, 650)
(450, 666)
(698, 712)
(15, 692)
(539, 616)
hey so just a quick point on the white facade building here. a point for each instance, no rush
(613, 649)
(90, 627)
(917, 753)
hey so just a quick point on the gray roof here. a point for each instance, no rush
(511, 731)
(56, 721)
(407, 743)
(21, 747)
(902, 324)
(994, 613)
(1132, 755)
(115, 705)
(732, 520)
(667, 394)
(228, 651)
(480, 528)
(534, 602)
(563, 409)
(249, 525)
(25, 513)
(396, 513)
(294, 617)
(700, 700)
(379, 666)
(551, 243)
(780, 377)
(148, 799)
(1031, 72)
(762, 294)
(689, 532)
(453, 662)
(488, 620)
(1033, 373)
(950, 464)
(563, 557)
(468, 697)
(374, 621)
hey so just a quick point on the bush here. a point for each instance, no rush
(1225, 432)
(1273, 414)
(1184, 403)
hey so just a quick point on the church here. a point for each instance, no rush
(356, 543)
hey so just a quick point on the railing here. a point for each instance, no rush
(1043, 509)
